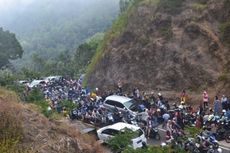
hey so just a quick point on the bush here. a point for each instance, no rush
(171, 6)
(192, 131)
(69, 105)
(35, 95)
(225, 30)
(11, 132)
(166, 31)
(121, 140)
(199, 6)
(6, 77)
(155, 149)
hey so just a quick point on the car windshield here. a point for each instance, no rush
(137, 133)
(131, 105)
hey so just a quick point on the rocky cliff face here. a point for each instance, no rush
(168, 49)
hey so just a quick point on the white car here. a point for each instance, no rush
(52, 78)
(107, 132)
(122, 103)
(35, 83)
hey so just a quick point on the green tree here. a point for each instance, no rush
(10, 49)
(85, 52)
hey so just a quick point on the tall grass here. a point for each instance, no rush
(11, 132)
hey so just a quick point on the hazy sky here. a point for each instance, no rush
(7, 4)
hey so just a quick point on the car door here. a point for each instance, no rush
(108, 133)
(119, 106)
(109, 104)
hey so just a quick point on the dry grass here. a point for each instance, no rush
(87, 143)
(11, 132)
(19, 123)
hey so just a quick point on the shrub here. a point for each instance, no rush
(225, 30)
(192, 131)
(6, 77)
(35, 95)
(166, 31)
(171, 6)
(121, 140)
(154, 149)
(69, 105)
(199, 6)
(11, 132)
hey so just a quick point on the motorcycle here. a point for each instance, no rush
(223, 131)
(207, 143)
(154, 133)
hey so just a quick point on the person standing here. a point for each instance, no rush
(119, 87)
(224, 101)
(205, 99)
(216, 105)
(183, 96)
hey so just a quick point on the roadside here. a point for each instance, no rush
(85, 128)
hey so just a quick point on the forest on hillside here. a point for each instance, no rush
(51, 31)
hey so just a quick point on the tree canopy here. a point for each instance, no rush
(10, 48)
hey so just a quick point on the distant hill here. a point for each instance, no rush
(48, 27)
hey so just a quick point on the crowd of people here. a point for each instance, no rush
(154, 109)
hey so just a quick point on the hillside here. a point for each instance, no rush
(168, 45)
(25, 130)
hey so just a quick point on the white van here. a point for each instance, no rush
(122, 103)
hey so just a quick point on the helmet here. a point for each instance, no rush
(96, 89)
(180, 107)
(159, 94)
(223, 111)
(219, 150)
(163, 144)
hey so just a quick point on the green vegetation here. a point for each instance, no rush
(10, 49)
(6, 77)
(121, 140)
(154, 149)
(171, 6)
(166, 30)
(121, 143)
(225, 30)
(224, 77)
(85, 52)
(11, 132)
(35, 95)
(192, 131)
(56, 28)
(199, 6)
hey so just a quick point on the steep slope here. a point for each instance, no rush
(24, 130)
(169, 45)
